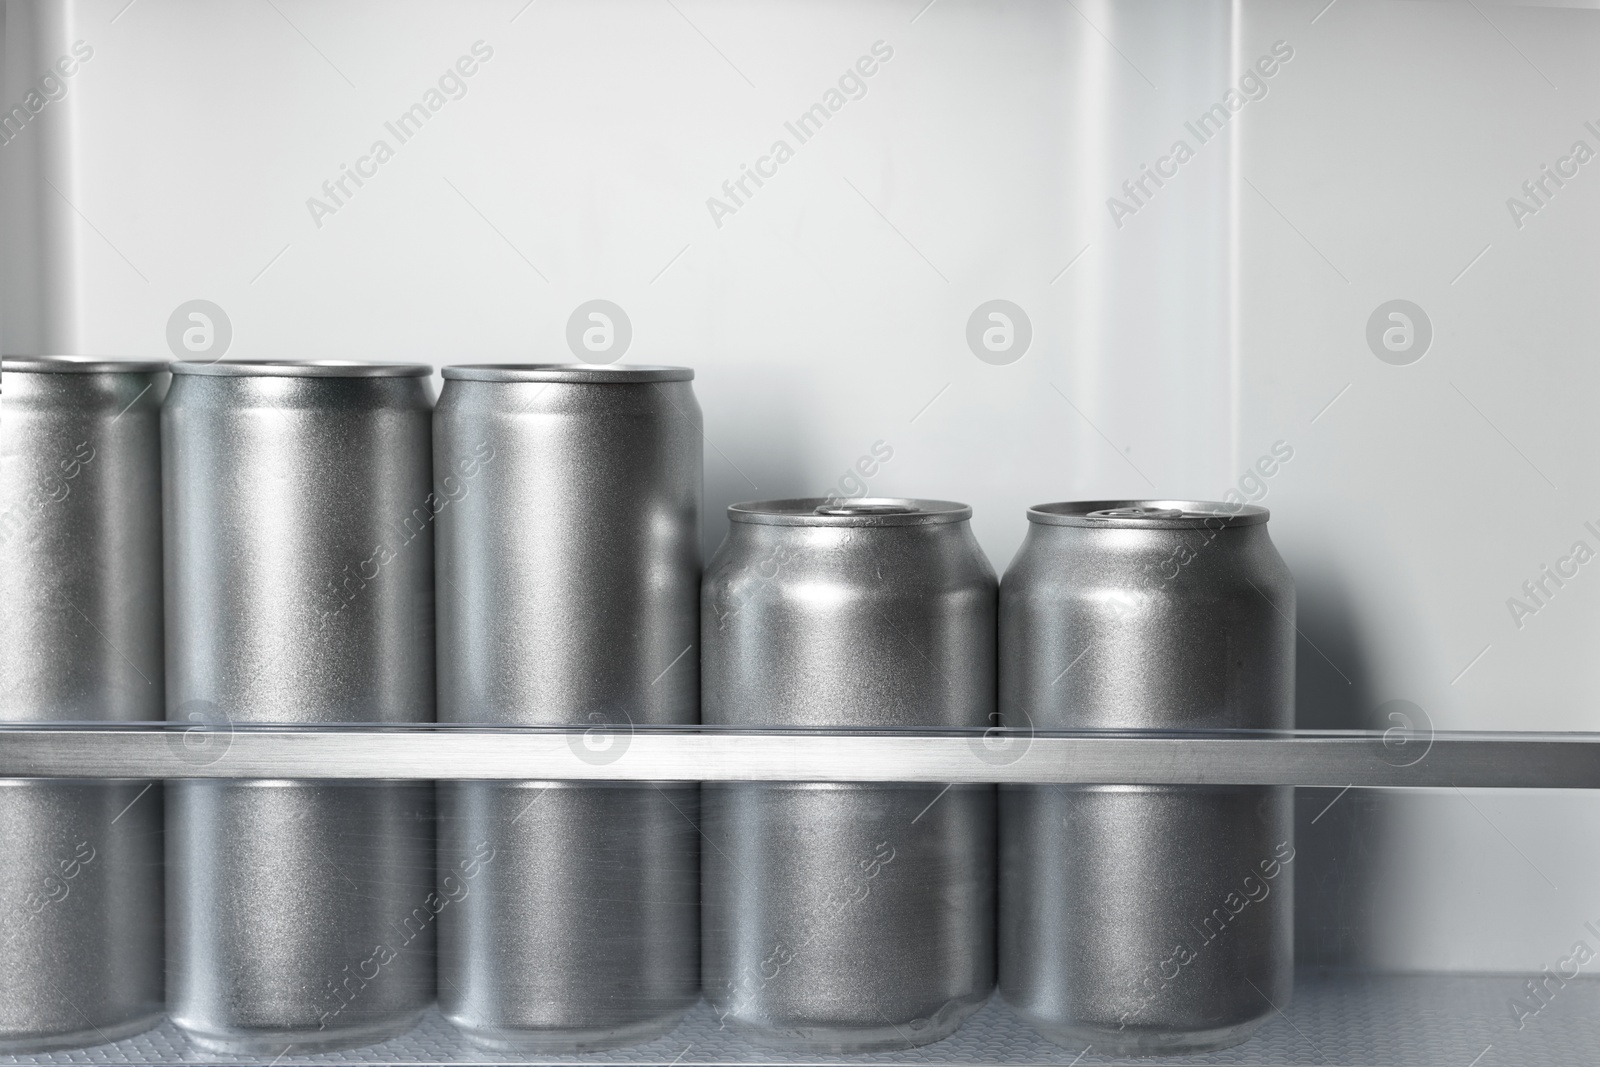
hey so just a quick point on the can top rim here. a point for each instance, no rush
(854, 512)
(81, 365)
(1147, 514)
(581, 373)
(301, 368)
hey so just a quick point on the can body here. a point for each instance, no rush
(844, 918)
(1141, 919)
(299, 571)
(569, 567)
(80, 640)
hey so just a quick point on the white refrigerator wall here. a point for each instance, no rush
(458, 182)
(1430, 483)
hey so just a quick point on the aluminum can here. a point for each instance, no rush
(842, 918)
(80, 641)
(1146, 920)
(569, 572)
(299, 589)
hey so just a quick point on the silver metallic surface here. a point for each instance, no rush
(300, 914)
(81, 931)
(80, 540)
(80, 641)
(1144, 919)
(569, 570)
(842, 918)
(299, 569)
(568, 545)
(578, 912)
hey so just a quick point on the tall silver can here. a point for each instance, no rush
(569, 570)
(299, 570)
(842, 918)
(80, 640)
(1143, 919)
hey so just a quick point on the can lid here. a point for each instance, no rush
(862, 511)
(80, 365)
(1147, 514)
(302, 368)
(579, 373)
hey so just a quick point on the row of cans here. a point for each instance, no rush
(319, 543)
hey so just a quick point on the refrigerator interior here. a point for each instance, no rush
(1328, 257)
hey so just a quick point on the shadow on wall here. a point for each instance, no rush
(1339, 837)
(754, 444)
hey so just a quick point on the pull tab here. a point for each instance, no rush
(863, 509)
(1139, 513)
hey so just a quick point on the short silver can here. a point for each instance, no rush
(842, 918)
(1146, 920)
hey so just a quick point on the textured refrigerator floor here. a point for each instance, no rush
(1404, 1021)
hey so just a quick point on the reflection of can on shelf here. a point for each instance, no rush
(1146, 919)
(842, 917)
(569, 571)
(299, 548)
(80, 640)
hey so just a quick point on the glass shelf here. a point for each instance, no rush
(1300, 758)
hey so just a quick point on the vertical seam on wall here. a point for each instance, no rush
(1235, 151)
